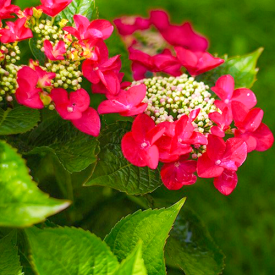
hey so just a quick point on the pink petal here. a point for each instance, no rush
(89, 123)
(80, 99)
(136, 94)
(236, 151)
(131, 150)
(141, 126)
(251, 142)
(207, 168)
(224, 87)
(245, 96)
(253, 119)
(187, 58)
(104, 26)
(264, 138)
(177, 174)
(111, 106)
(154, 134)
(239, 112)
(216, 148)
(215, 130)
(226, 182)
(139, 109)
(151, 156)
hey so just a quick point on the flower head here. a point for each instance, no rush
(6, 9)
(70, 106)
(55, 52)
(15, 31)
(86, 30)
(250, 128)
(138, 146)
(127, 103)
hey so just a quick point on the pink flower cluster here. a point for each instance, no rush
(172, 143)
(167, 48)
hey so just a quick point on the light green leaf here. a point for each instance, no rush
(152, 228)
(9, 258)
(74, 149)
(191, 248)
(242, 68)
(133, 264)
(18, 120)
(114, 171)
(37, 53)
(82, 7)
(69, 251)
(21, 202)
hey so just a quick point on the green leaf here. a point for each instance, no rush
(71, 251)
(114, 171)
(191, 248)
(21, 202)
(82, 7)
(37, 53)
(9, 259)
(152, 228)
(18, 120)
(133, 264)
(242, 68)
(74, 149)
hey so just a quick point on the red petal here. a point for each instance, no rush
(224, 87)
(239, 112)
(236, 151)
(177, 174)
(207, 167)
(226, 182)
(264, 138)
(111, 106)
(141, 126)
(136, 94)
(89, 123)
(215, 148)
(104, 26)
(151, 156)
(253, 119)
(131, 150)
(139, 109)
(245, 96)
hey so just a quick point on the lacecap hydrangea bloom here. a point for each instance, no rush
(180, 124)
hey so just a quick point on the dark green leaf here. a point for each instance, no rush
(21, 202)
(74, 149)
(150, 226)
(114, 171)
(18, 120)
(133, 264)
(191, 248)
(9, 259)
(242, 68)
(71, 251)
(82, 7)
(37, 53)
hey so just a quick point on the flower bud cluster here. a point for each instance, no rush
(10, 54)
(169, 98)
(46, 31)
(68, 74)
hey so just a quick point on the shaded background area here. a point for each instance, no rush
(243, 224)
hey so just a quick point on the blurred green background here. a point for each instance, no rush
(243, 224)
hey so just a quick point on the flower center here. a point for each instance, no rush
(169, 98)
(144, 145)
(218, 162)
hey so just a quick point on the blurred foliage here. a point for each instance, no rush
(242, 224)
